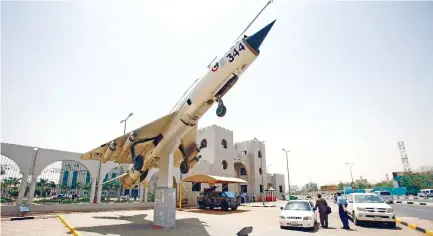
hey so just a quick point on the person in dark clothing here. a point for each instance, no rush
(342, 204)
(322, 205)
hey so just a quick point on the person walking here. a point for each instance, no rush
(342, 211)
(322, 205)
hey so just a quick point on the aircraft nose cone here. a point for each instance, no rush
(257, 39)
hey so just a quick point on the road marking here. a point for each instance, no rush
(71, 229)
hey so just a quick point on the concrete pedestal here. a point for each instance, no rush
(164, 212)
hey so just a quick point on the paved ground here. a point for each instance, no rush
(37, 227)
(190, 222)
(421, 212)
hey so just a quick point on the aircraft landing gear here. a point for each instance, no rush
(184, 167)
(221, 109)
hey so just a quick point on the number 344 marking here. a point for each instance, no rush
(231, 56)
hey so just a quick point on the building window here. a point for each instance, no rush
(196, 187)
(261, 188)
(281, 188)
(245, 152)
(224, 164)
(244, 189)
(203, 143)
(224, 143)
(259, 154)
(243, 171)
(260, 170)
(225, 187)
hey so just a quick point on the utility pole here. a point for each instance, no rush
(288, 173)
(261, 167)
(351, 175)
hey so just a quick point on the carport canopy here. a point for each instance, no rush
(209, 179)
(212, 179)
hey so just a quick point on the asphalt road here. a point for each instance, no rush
(418, 211)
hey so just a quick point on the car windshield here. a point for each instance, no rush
(298, 206)
(385, 193)
(368, 199)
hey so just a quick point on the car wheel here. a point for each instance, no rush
(356, 221)
(283, 227)
(392, 225)
(211, 207)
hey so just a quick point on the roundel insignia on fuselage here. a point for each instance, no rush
(215, 67)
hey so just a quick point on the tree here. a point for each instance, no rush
(383, 184)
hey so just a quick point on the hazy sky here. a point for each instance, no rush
(335, 81)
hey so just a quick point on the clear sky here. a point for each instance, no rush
(335, 81)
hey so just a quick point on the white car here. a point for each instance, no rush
(298, 213)
(425, 193)
(385, 195)
(369, 207)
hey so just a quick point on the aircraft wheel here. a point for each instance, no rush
(221, 111)
(138, 164)
(184, 168)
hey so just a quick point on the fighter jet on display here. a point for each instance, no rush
(144, 146)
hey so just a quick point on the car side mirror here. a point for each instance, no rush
(281, 208)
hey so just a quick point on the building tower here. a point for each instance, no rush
(403, 155)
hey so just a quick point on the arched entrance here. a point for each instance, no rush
(61, 182)
(241, 172)
(10, 178)
(112, 191)
(153, 184)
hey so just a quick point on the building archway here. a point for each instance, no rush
(67, 177)
(113, 190)
(10, 178)
(153, 183)
(241, 172)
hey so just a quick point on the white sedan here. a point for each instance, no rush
(370, 207)
(298, 213)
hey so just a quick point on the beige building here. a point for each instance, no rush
(222, 157)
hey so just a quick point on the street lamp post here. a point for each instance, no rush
(288, 173)
(261, 167)
(124, 132)
(351, 175)
(124, 121)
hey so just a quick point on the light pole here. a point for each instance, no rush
(288, 173)
(351, 175)
(261, 167)
(124, 132)
(124, 121)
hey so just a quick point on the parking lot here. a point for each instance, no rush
(189, 222)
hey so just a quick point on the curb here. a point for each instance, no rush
(414, 227)
(416, 203)
(71, 229)
(259, 206)
(28, 217)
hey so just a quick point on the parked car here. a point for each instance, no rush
(369, 207)
(386, 196)
(213, 199)
(425, 193)
(298, 213)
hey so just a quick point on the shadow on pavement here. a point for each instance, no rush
(139, 225)
(217, 211)
(378, 225)
(316, 228)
